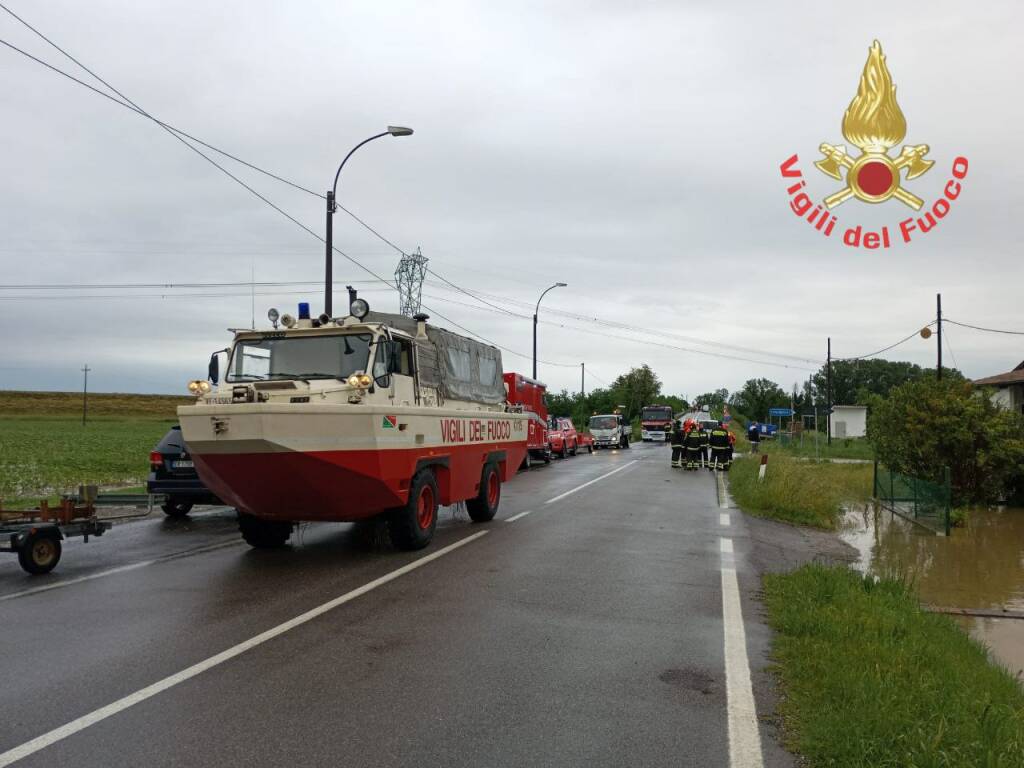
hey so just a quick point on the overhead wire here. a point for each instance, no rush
(131, 105)
(181, 136)
(185, 138)
(128, 104)
(884, 349)
(979, 328)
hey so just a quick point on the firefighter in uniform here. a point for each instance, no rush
(719, 442)
(676, 439)
(732, 447)
(692, 443)
(704, 443)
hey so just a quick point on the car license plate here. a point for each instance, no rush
(182, 464)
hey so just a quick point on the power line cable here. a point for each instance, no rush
(884, 349)
(132, 106)
(179, 134)
(949, 346)
(979, 328)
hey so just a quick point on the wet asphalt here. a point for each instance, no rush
(587, 632)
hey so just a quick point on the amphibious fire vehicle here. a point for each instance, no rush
(343, 419)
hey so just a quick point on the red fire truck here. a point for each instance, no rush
(527, 395)
(655, 422)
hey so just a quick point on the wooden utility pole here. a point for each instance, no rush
(85, 392)
(583, 381)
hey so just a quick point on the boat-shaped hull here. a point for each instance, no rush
(344, 462)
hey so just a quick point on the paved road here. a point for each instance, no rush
(592, 624)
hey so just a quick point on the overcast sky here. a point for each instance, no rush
(631, 150)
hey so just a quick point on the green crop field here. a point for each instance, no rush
(45, 450)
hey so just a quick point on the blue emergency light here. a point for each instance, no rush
(303, 310)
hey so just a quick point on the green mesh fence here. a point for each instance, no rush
(923, 501)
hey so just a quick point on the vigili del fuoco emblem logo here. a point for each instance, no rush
(874, 124)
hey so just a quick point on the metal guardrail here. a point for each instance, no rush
(921, 501)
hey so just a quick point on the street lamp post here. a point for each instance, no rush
(393, 130)
(535, 311)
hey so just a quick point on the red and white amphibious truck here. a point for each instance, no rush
(345, 419)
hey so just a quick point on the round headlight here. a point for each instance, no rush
(365, 380)
(204, 386)
(193, 387)
(359, 308)
(353, 380)
(272, 315)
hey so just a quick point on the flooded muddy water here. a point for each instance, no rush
(979, 567)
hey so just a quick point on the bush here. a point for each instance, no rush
(925, 425)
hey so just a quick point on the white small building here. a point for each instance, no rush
(1007, 388)
(849, 420)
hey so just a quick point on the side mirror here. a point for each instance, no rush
(214, 370)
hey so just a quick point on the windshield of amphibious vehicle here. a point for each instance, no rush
(603, 422)
(334, 356)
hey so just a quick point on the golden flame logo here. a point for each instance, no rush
(875, 123)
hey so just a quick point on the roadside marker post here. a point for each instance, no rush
(763, 469)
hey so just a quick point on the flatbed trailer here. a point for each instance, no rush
(35, 535)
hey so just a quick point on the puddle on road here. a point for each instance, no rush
(980, 566)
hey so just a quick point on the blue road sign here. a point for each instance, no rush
(780, 411)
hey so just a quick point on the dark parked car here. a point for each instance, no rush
(173, 474)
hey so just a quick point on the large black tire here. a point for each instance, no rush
(39, 554)
(263, 534)
(484, 506)
(565, 450)
(176, 507)
(527, 461)
(575, 449)
(412, 526)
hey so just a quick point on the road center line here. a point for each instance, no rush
(723, 518)
(591, 482)
(744, 737)
(121, 569)
(81, 723)
(516, 517)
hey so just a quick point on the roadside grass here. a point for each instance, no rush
(841, 448)
(870, 679)
(42, 458)
(802, 492)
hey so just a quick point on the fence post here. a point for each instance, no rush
(949, 496)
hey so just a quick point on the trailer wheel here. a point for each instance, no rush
(412, 526)
(575, 449)
(483, 508)
(263, 534)
(527, 460)
(39, 554)
(176, 507)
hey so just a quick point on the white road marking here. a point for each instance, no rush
(723, 518)
(591, 482)
(744, 737)
(121, 569)
(516, 517)
(723, 494)
(81, 723)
